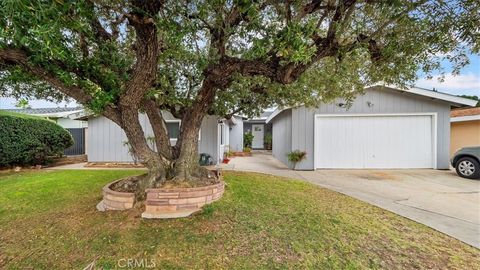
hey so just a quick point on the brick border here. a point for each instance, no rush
(164, 202)
(180, 202)
(114, 200)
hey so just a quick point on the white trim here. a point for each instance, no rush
(221, 134)
(179, 124)
(56, 114)
(434, 129)
(275, 113)
(173, 121)
(454, 100)
(432, 94)
(465, 118)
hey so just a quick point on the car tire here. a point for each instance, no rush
(468, 167)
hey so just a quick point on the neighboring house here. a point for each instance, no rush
(66, 118)
(465, 128)
(107, 141)
(259, 128)
(384, 128)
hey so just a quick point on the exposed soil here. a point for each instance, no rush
(113, 165)
(130, 184)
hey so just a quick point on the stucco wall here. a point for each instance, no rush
(464, 134)
(282, 136)
(384, 101)
(106, 139)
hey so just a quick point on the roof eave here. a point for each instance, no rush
(464, 118)
(453, 100)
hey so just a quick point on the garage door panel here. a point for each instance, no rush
(394, 141)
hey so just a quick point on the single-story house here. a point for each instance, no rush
(108, 142)
(259, 129)
(235, 140)
(67, 118)
(465, 128)
(385, 127)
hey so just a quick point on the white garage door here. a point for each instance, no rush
(374, 141)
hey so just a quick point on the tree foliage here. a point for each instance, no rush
(221, 57)
(90, 44)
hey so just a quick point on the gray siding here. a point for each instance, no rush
(209, 137)
(106, 139)
(385, 101)
(236, 135)
(282, 136)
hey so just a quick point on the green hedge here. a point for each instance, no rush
(30, 140)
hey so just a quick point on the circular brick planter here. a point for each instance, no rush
(180, 202)
(114, 200)
(164, 202)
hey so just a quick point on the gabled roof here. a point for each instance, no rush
(261, 118)
(462, 115)
(451, 99)
(49, 112)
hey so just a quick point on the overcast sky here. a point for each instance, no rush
(467, 83)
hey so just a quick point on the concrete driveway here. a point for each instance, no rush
(438, 199)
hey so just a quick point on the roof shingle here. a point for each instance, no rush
(465, 112)
(44, 110)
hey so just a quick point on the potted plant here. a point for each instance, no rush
(296, 156)
(247, 140)
(268, 142)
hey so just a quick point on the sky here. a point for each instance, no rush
(466, 83)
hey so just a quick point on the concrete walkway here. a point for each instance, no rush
(438, 199)
(81, 166)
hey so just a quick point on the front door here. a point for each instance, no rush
(257, 132)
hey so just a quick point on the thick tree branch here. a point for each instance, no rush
(99, 31)
(147, 48)
(18, 57)
(159, 127)
(136, 136)
(314, 6)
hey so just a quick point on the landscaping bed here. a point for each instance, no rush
(162, 202)
(113, 165)
(48, 220)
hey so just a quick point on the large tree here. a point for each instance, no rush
(193, 58)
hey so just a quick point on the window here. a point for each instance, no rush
(173, 129)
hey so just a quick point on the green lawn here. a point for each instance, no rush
(48, 221)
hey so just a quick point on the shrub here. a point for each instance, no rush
(247, 139)
(247, 149)
(268, 142)
(296, 156)
(30, 140)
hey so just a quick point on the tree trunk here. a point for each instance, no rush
(178, 164)
(186, 164)
(175, 165)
